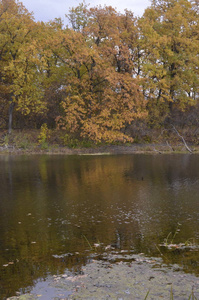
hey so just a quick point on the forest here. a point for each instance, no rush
(106, 76)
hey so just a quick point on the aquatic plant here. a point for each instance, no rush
(91, 248)
(146, 295)
(168, 242)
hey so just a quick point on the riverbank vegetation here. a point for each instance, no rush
(106, 77)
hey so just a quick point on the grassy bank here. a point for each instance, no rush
(56, 141)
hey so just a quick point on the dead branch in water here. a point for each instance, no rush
(186, 146)
(169, 146)
(158, 151)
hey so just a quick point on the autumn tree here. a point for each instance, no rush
(78, 16)
(103, 94)
(20, 60)
(169, 37)
(50, 38)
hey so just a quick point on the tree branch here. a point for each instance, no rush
(169, 146)
(186, 146)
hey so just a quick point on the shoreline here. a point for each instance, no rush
(103, 150)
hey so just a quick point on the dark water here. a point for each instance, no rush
(54, 208)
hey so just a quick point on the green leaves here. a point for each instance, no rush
(21, 64)
(171, 53)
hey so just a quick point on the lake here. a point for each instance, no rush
(56, 212)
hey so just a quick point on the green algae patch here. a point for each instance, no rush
(131, 277)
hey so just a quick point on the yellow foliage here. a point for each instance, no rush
(44, 134)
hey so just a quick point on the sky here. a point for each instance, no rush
(46, 10)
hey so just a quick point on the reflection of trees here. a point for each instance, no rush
(165, 199)
(128, 201)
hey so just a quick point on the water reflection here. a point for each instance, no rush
(49, 204)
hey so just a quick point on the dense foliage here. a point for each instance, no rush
(101, 74)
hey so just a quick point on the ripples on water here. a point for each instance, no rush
(54, 208)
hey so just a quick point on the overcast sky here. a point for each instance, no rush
(45, 10)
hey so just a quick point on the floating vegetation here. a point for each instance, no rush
(181, 246)
(189, 244)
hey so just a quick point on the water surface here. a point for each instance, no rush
(53, 209)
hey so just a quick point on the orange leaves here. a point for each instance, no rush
(99, 105)
(102, 95)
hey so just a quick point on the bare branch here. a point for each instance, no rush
(186, 146)
(169, 146)
(157, 150)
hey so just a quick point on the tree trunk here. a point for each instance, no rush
(11, 107)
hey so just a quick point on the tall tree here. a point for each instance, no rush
(103, 94)
(20, 60)
(169, 34)
(51, 37)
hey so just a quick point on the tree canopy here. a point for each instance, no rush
(170, 39)
(101, 73)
